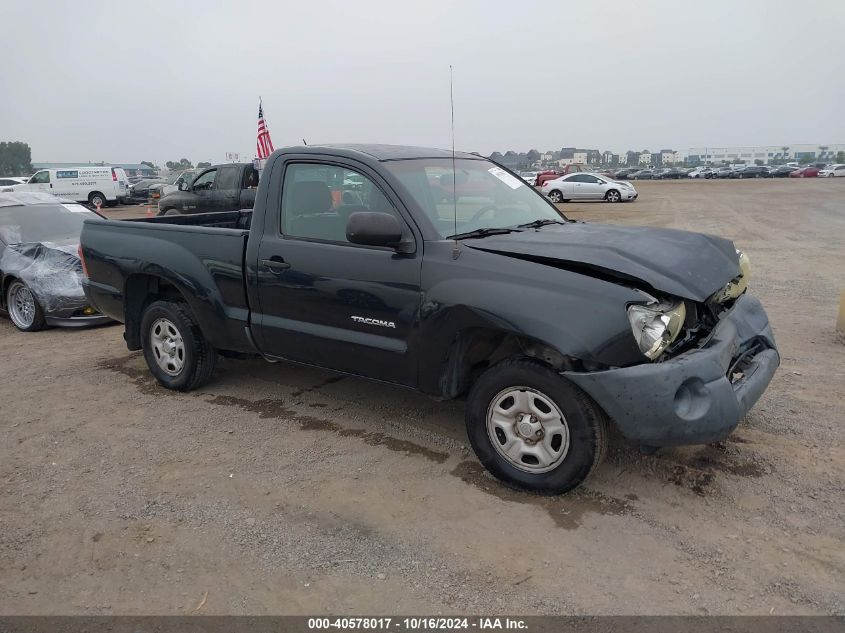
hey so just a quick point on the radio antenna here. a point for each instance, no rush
(455, 252)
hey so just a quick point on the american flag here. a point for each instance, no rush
(263, 143)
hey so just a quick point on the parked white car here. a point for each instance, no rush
(832, 171)
(9, 181)
(97, 185)
(529, 176)
(587, 186)
(701, 172)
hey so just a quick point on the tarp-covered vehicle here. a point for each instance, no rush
(40, 270)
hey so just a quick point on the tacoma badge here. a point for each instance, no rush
(378, 322)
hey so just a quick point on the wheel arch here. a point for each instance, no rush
(474, 349)
(5, 282)
(140, 290)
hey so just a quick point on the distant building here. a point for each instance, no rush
(609, 158)
(645, 157)
(764, 153)
(668, 157)
(572, 156)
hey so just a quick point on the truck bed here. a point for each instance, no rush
(200, 256)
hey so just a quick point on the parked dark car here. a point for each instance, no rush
(140, 191)
(643, 174)
(781, 171)
(660, 335)
(40, 271)
(752, 171)
(670, 174)
(622, 174)
(227, 187)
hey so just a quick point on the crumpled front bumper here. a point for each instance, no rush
(692, 399)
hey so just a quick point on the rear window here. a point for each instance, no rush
(42, 222)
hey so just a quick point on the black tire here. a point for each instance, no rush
(586, 422)
(200, 358)
(555, 196)
(171, 212)
(36, 321)
(613, 196)
(94, 196)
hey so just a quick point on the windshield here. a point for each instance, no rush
(484, 195)
(42, 223)
(185, 176)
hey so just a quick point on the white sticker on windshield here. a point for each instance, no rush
(75, 208)
(511, 181)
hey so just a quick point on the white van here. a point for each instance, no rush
(99, 186)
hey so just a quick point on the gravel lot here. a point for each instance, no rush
(284, 490)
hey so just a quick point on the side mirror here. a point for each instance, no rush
(372, 228)
(183, 186)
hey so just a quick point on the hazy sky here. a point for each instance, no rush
(128, 81)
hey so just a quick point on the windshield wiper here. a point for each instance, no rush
(536, 224)
(480, 233)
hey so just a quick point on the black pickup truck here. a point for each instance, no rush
(353, 260)
(226, 187)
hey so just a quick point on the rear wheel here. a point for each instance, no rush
(177, 353)
(24, 309)
(97, 199)
(170, 212)
(612, 196)
(533, 429)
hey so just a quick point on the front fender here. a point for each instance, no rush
(579, 316)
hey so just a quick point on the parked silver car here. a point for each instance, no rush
(587, 186)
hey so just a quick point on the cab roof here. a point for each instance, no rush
(381, 152)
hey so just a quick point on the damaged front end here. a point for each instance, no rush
(53, 273)
(706, 374)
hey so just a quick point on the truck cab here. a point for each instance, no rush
(226, 187)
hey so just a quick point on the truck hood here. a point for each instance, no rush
(681, 263)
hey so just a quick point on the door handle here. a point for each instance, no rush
(275, 264)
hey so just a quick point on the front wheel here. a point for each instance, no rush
(177, 353)
(612, 196)
(556, 196)
(24, 310)
(533, 429)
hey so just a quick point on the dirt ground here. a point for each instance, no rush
(283, 490)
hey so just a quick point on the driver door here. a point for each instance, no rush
(204, 188)
(589, 187)
(323, 300)
(40, 181)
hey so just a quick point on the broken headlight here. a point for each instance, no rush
(737, 285)
(656, 325)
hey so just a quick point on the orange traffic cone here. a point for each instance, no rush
(150, 211)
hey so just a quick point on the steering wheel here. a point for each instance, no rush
(481, 211)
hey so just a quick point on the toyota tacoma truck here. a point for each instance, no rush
(551, 329)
